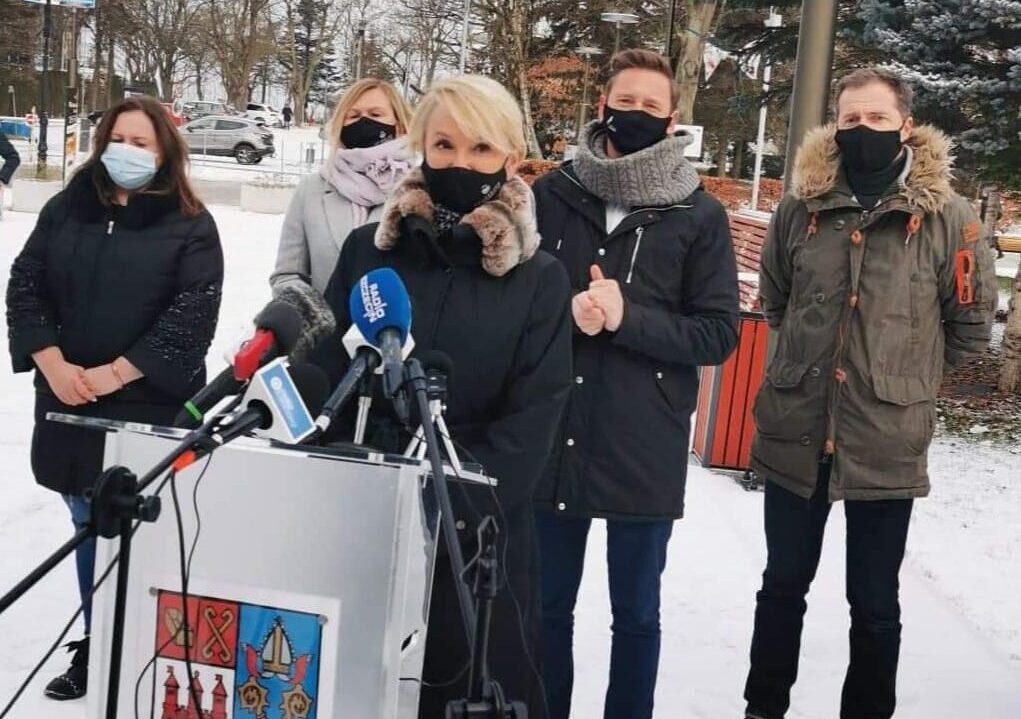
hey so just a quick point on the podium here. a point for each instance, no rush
(309, 584)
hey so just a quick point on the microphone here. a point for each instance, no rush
(277, 329)
(318, 321)
(381, 310)
(365, 360)
(276, 406)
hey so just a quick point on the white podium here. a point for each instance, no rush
(309, 585)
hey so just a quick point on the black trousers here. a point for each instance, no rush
(876, 536)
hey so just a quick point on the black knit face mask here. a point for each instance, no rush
(633, 130)
(366, 132)
(461, 189)
(866, 150)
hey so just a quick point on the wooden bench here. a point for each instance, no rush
(748, 234)
(1008, 243)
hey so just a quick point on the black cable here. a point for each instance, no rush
(184, 592)
(67, 628)
(191, 553)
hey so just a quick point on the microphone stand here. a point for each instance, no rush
(486, 699)
(116, 503)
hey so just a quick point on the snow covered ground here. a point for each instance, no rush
(961, 580)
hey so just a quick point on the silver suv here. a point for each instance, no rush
(245, 140)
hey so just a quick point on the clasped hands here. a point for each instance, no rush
(600, 307)
(75, 385)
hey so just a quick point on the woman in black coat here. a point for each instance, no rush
(460, 231)
(113, 301)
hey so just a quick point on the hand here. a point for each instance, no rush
(102, 380)
(589, 318)
(66, 380)
(607, 297)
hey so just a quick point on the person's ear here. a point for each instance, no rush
(601, 107)
(511, 164)
(906, 128)
(673, 121)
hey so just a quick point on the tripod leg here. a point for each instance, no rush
(120, 606)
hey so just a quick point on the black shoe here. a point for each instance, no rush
(72, 683)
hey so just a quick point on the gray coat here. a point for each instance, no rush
(317, 223)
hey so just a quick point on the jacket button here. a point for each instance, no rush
(561, 506)
(806, 439)
(579, 379)
(460, 525)
(820, 298)
(853, 301)
(659, 375)
(815, 372)
(856, 237)
(602, 251)
(570, 443)
(838, 225)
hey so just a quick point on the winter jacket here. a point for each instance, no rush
(623, 447)
(317, 222)
(484, 296)
(142, 281)
(11, 160)
(871, 308)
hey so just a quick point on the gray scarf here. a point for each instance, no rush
(654, 177)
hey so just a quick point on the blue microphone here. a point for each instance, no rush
(381, 310)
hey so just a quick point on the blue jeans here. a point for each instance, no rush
(636, 557)
(877, 532)
(84, 555)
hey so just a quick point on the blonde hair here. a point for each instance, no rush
(354, 93)
(480, 107)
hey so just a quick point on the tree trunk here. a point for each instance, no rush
(1010, 372)
(198, 79)
(689, 64)
(721, 159)
(97, 60)
(109, 71)
(738, 165)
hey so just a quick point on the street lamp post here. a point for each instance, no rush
(618, 19)
(774, 20)
(587, 53)
(464, 34)
(44, 115)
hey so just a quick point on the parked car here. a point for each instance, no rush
(96, 116)
(265, 114)
(194, 109)
(245, 140)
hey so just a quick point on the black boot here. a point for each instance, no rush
(72, 683)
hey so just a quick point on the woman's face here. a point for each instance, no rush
(374, 105)
(135, 128)
(447, 146)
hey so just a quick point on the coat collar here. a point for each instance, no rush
(142, 211)
(925, 185)
(504, 229)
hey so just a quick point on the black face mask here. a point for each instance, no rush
(866, 150)
(366, 132)
(633, 130)
(461, 189)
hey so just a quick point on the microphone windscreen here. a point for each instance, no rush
(284, 321)
(318, 321)
(312, 384)
(437, 361)
(380, 301)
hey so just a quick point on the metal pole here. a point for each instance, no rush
(464, 35)
(616, 38)
(760, 139)
(670, 28)
(812, 75)
(582, 111)
(44, 92)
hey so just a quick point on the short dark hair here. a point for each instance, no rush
(868, 75)
(642, 60)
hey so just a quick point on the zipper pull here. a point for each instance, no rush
(109, 228)
(634, 255)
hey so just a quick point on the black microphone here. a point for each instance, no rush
(364, 364)
(278, 328)
(262, 414)
(318, 321)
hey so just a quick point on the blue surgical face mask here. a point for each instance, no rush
(129, 167)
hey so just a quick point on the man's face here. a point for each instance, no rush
(639, 89)
(873, 105)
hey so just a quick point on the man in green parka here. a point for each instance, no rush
(876, 281)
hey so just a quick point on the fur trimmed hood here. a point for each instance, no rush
(505, 225)
(927, 185)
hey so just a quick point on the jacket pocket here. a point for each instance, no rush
(781, 407)
(906, 409)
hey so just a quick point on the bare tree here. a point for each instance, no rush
(153, 34)
(309, 32)
(701, 18)
(240, 34)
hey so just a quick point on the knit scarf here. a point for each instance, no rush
(365, 175)
(654, 177)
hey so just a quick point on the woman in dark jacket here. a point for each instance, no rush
(460, 231)
(113, 301)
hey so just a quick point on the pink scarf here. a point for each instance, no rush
(365, 175)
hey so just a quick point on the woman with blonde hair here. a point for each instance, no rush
(460, 231)
(368, 156)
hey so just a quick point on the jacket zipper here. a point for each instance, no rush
(109, 227)
(639, 231)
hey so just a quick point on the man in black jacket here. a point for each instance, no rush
(11, 160)
(650, 258)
